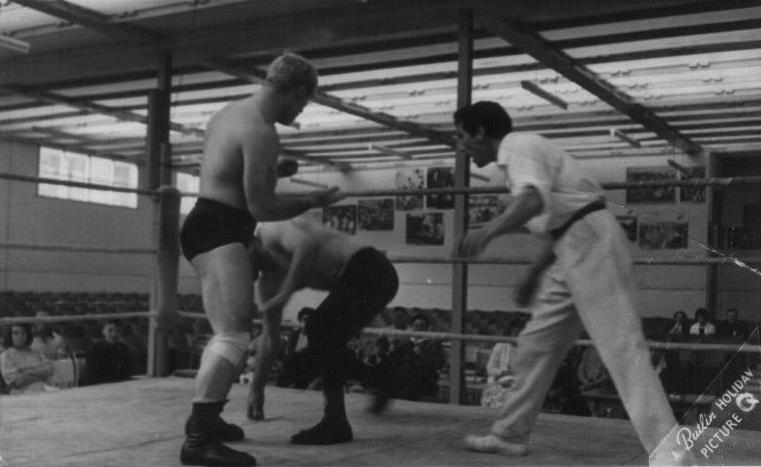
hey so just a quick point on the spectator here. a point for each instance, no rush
(299, 369)
(109, 360)
(702, 326)
(380, 351)
(23, 369)
(498, 371)
(564, 395)
(680, 328)
(592, 373)
(49, 343)
(733, 328)
(414, 366)
(399, 322)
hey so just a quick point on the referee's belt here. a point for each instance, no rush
(589, 208)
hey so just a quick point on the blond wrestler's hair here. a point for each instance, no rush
(289, 71)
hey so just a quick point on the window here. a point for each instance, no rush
(190, 184)
(70, 166)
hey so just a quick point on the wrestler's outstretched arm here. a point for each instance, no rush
(260, 148)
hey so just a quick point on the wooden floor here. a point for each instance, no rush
(139, 423)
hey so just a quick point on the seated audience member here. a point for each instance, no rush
(681, 328)
(400, 322)
(49, 343)
(564, 395)
(380, 351)
(24, 370)
(592, 373)
(733, 328)
(109, 360)
(413, 366)
(498, 371)
(299, 369)
(702, 326)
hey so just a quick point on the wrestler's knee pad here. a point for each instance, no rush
(231, 346)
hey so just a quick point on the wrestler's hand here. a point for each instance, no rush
(287, 168)
(322, 198)
(472, 244)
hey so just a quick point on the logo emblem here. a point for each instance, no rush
(746, 402)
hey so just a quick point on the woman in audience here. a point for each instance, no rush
(23, 369)
(702, 326)
(680, 328)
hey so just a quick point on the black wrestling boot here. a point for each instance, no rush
(223, 431)
(334, 427)
(328, 431)
(203, 446)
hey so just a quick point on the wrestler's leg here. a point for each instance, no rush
(227, 291)
(367, 286)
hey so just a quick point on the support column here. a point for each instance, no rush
(462, 179)
(713, 211)
(158, 152)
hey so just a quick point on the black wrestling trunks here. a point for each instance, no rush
(211, 224)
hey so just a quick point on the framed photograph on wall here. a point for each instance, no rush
(440, 177)
(342, 217)
(666, 194)
(409, 179)
(693, 194)
(375, 213)
(425, 228)
(659, 231)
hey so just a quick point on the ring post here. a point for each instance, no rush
(166, 274)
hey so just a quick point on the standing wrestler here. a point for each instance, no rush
(360, 280)
(237, 189)
(587, 283)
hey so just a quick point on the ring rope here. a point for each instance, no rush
(746, 348)
(705, 347)
(76, 248)
(693, 182)
(72, 318)
(676, 261)
(91, 186)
